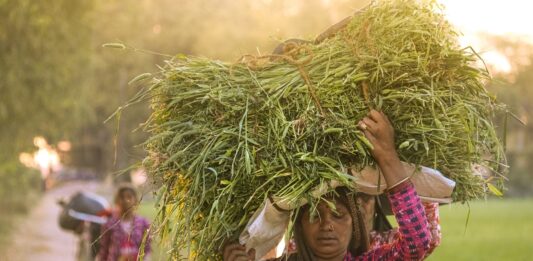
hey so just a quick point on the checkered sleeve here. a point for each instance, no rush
(414, 237)
(432, 215)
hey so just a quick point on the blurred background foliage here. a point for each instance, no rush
(57, 81)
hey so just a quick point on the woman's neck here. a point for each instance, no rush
(128, 215)
(339, 257)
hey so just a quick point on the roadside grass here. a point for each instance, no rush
(497, 229)
(19, 189)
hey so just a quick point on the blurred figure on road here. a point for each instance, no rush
(84, 214)
(125, 236)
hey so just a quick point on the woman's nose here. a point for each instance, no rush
(326, 223)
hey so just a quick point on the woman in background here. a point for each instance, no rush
(124, 232)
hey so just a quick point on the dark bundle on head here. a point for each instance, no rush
(224, 136)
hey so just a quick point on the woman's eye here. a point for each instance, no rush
(339, 214)
(313, 217)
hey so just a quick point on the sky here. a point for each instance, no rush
(513, 18)
(492, 16)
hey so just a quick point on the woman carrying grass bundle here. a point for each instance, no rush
(228, 140)
(340, 233)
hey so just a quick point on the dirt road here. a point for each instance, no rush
(39, 237)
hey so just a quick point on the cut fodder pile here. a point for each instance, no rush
(224, 136)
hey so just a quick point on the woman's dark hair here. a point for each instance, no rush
(359, 242)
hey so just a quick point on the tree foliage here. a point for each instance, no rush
(44, 48)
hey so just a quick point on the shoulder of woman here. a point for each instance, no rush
(111, 220)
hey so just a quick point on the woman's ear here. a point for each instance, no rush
(251, 254)
(368, 209)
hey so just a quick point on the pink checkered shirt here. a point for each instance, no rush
(114, 238)
(413, 238)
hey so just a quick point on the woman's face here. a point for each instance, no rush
(329, 232)
(126, 201)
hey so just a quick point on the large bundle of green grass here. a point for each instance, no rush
(227, 135)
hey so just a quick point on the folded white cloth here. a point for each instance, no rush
(265, 229)
(429, 183)
(87, 217)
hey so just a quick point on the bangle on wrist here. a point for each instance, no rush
(398, 183)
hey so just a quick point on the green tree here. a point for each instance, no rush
(44, 50)
(514, 88)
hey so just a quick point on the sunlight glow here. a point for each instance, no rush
(498, 60)
(46, 159)
(503, 18)
(491, 16)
